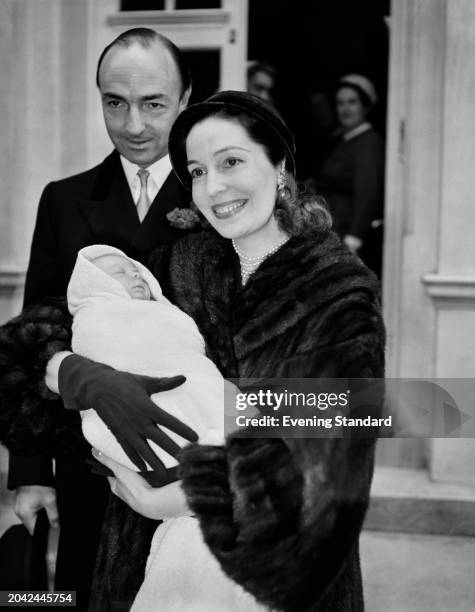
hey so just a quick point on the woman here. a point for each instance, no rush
(275, 294)
(352, 177)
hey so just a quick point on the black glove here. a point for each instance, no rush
(123, 403)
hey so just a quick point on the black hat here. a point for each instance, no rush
(236, 100)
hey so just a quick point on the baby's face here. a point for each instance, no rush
(126, 273)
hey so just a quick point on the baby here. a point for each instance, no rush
(127, 273)
(122, 319)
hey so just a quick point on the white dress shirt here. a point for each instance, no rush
(159, 172)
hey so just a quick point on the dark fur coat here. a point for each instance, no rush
(28, 424)
(282, 516)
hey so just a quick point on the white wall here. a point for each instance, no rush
(50, 121)
(429, 277)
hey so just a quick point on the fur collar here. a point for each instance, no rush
(303, 277)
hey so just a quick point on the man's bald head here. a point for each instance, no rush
(144, 85)
(146, 38)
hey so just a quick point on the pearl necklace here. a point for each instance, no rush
(250, 264)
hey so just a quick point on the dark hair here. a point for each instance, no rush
(146, 37)
(255, 66)
(296, 211)
(363, 96)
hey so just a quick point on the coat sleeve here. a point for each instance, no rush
(282, 516)
(32, 420)
(367, 186)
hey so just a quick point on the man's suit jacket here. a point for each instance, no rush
(93, 207)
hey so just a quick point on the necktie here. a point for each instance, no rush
(143, 203)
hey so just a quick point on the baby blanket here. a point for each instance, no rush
(153, 338)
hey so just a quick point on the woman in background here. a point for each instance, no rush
(351, 179)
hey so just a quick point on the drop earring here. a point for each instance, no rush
(281, 179)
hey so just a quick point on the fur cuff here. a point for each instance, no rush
(204, 474)
(279, 526)
(31, 417)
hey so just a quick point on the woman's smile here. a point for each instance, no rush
(228, 209)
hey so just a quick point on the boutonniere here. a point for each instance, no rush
(183, 218)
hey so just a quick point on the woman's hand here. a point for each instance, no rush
(122, 400)
(163, 503)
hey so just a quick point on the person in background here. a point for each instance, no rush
(144, 83)
(261, 80)
(351, 178)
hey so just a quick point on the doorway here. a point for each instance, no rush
(311, 48)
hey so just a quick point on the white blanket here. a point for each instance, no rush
(154, 338)
(183, 576)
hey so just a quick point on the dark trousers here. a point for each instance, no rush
(81, 499)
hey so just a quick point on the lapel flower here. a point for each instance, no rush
(183, 218)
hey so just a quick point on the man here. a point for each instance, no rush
(144, 84)
(261, 80)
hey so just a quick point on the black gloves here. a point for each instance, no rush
(123, 403)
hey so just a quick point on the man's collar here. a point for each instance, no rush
(159, 170)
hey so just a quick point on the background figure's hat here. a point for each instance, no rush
(227, 100)
(360, 82)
